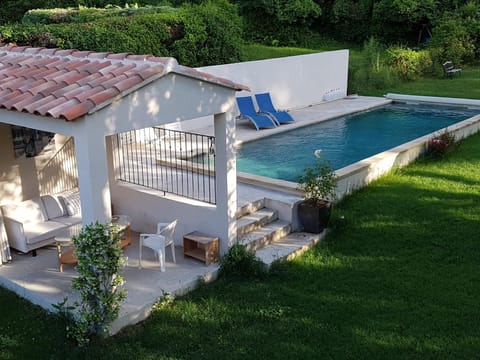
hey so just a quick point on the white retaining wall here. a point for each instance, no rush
(293, 81)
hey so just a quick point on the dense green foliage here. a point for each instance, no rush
(83, 14)
(196, 35)
(240, 263)
(421, 34)
(276, 21)
(99, 281)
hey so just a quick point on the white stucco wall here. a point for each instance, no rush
(147, 207)
(294, 81)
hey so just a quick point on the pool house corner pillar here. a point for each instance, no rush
(90, 149)
(226, 179)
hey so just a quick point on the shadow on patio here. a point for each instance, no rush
(39, 280)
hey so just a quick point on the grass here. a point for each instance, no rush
(396, 279)
(260, 52)
(465, 85)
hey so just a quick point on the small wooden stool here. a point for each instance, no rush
(200, 246)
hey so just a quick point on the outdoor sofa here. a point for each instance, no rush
(34, 223)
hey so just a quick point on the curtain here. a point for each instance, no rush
(4, 248)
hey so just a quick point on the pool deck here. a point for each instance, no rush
(304, 116)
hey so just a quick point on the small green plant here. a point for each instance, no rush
(441, 145)
(98, 283)
(238, 262)
(318, 182)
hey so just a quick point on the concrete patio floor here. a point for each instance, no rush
(38, 279)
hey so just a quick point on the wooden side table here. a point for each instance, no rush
(65, 249)
(123, 221)
(200, 246)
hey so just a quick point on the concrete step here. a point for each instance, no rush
(288, 247)
(268, 233)
(250, 207)
(255, 221)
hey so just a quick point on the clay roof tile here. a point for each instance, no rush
(69, 83)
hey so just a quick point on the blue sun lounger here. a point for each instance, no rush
(265, 105)
(247, 111)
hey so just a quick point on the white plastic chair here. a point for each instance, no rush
(158, 242)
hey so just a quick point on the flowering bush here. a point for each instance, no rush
(441, 144)
(318, 182)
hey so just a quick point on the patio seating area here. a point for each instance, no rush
(39, 280)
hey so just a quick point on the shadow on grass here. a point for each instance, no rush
(397, 280)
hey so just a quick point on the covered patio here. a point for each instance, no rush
(92, 96)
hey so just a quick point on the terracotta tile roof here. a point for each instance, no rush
(68, 84)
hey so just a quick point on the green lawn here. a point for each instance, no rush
(465, 85)
(396, 279)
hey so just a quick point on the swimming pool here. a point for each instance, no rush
(345, 140)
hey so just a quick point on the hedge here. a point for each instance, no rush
(83, 14)
(197, 35)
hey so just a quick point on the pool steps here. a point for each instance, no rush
(272, 239)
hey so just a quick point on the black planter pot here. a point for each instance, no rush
(314, 217)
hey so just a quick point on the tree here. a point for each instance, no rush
(283, 22)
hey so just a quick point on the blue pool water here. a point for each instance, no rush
(345, 140)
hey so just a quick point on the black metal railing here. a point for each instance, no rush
(171, 161)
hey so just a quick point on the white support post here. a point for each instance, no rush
(90, 149)
(226, 180)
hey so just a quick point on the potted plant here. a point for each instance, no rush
(318, 185)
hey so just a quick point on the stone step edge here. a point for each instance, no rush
(255, 221)
(250, 208)
(289, 247)
(267, 234)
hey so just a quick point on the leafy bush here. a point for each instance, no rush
(240, 263)
(374, 72)
(196, 35)
(451, 41)
(12, 11)
(410, 64)
(83, 14)
(277, 22)
(98, 283)
(351, 19)
(441, 145)
(213, 34)
(318, 182)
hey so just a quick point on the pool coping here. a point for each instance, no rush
(359, 174)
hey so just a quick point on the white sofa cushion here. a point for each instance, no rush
(71, 200)
(41, 231)
(53, 206)
(29, 211)
(70, 220)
